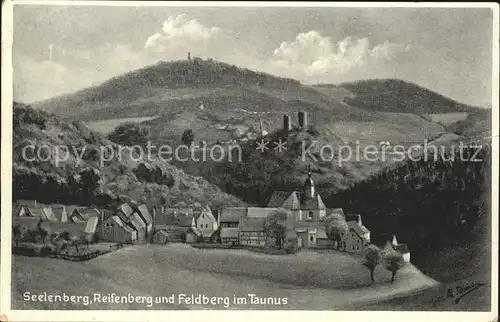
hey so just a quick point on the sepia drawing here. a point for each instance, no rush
(328, 158)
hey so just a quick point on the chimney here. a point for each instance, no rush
(287, 123)
(303, 119)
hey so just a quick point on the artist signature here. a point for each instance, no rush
(459, 291)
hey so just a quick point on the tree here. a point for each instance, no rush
(393, 261)
(130, 134)
(75, 241)
(371, 259)
(16, 234)
(42, 232)
(336, 227)
(53, 238)
(187, 137)
(275, 227)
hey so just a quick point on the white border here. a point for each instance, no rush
(6, 187)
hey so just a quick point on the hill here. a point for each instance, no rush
(57, 161)
(393, 95)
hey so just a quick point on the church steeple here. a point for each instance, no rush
(308, 188)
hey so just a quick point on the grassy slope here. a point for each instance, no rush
(309, 280)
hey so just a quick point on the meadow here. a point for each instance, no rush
(309, 280)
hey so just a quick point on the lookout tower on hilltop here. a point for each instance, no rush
(189, 56)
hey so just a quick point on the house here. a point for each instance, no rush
(206, 223)
(355, 241)
(229, 235)
(135, 221)
(161, 237)
(229, 219)
(114, 229)
(404, 250)
(251, 231)
(354, 222)
(143, 211)
(401, 248)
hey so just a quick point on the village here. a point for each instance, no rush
(299, 220)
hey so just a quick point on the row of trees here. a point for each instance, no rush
(60, 241)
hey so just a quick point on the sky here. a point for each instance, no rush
(61, 49)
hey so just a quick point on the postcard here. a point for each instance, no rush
(249, 160)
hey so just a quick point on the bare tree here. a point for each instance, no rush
(371, 259)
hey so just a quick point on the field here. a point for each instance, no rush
(106, 126)
(308, 280)
(446, 118)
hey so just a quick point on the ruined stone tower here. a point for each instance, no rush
(303, 119)
(287, 123)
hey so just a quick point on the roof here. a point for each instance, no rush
(136, 221)
(256, 212)
(208, 213)
(278, 199)
(50, 215)
(229, 232)
(402, 248)
(91, 226)
(144, 212)
(16, 210)
(162, 232)
(182, 217)
(87, 213)
(126, 209)
(313, 203)
(251, 224)
(37, 212)
(232, 214)
(120, 223)
(359, 230)
(59, 227)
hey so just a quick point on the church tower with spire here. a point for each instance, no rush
(308, 187)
